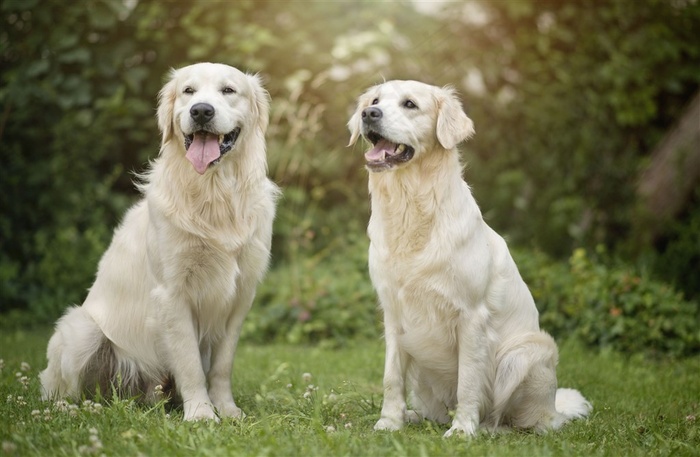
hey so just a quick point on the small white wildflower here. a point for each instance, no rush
(306, 377)
(330, 429)
(18, 374)
(8, 447)
(24, 380)
(2, 364)
(289, 386)
(348, 425)
(20, 400)
(92, 431)
(332, 397)
(158, 390)
(36, 413)
(24, 366)
(61, 405)
(307, 395)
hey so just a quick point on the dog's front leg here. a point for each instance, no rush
(180, 344)
(394, 414)
(223, 353)
(473, 371)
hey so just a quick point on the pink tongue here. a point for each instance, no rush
(203, 151)
(382, 149)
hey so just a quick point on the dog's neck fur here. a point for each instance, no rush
(208, 198)
(408, 200)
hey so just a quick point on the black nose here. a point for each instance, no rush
(202, 112)
(371, 114)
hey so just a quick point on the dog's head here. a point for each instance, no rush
(404, 120)
(209, 108)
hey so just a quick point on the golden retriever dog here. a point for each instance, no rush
(461, 327)
(180, 275)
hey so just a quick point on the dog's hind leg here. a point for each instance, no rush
(76, 340)
(426, 404)
(526, 384)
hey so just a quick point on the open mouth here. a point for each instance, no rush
(205, 149)
(386, 154)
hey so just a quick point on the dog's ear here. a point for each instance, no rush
(166, 106)
(453, 125)
(354, 125)
(355, 122)
(261, 102)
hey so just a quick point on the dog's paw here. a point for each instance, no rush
(413, 417)
(230, 410)
(389, 424)
(201, 411)
(467, 430)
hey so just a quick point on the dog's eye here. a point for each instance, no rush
(409, 104)
(228, 90)
(188, 90)
(375, 101)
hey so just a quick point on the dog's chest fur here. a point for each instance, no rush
(221, 242)
(414, 242)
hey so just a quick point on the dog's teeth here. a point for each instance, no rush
(400, 148)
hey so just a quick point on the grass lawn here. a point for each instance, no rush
(315, 401)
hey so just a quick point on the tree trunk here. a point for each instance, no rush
(674, 171)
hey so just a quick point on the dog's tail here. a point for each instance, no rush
(571, 404)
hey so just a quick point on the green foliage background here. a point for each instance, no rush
(568, 99)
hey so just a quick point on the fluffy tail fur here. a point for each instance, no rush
(571, 404)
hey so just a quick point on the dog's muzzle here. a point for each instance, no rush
(205, 149)
(385, 154)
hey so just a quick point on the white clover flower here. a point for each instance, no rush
(330, 429)
(24, 366)
(61, 405)
(306, 377)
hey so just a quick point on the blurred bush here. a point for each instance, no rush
(325, 297)
(613, 307)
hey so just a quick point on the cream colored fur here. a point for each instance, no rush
(174, 286)
(461, 327)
